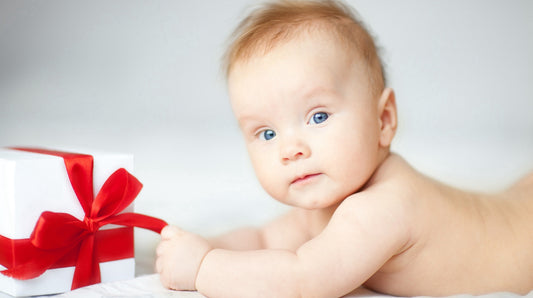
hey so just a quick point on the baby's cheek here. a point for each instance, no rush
(267, 173)
(262, 174)
(273, 186)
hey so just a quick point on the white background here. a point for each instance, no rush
(143, 77)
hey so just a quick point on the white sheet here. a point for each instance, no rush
(149, 286)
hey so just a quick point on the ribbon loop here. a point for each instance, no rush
(45, 234)
(117, 193)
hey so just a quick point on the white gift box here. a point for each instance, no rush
(31, 183)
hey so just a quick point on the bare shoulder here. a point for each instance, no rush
(385, 206)
(394, 187)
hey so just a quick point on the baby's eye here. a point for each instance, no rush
(267, 134)
(318, 118)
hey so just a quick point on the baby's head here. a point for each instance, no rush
(307, 87)
(279, 22)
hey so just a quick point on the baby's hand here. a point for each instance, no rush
(179, 256)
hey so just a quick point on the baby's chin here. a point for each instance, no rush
(313, 202)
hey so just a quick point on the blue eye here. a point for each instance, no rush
(267, 135)
(318, 118)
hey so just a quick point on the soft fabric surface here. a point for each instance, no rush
(149, 286)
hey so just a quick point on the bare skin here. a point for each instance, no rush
(319, 138)
(460, 242)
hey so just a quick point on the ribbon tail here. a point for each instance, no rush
(87, 270)
(137, 220)
(28, 262)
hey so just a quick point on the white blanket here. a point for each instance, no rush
(149, 286)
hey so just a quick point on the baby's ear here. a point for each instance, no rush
(387, 117)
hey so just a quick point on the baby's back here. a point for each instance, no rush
(461, 242)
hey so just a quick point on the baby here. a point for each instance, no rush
(308, 90)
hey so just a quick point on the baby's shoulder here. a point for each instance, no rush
(380, 205)
(378, 214)
(390, 196)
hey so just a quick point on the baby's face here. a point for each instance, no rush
(309, 120)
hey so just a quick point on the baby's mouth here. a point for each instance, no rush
(304, 179)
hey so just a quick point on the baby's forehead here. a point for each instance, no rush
(318, 35)
(321, 44)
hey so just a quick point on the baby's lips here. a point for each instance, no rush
(304, 177)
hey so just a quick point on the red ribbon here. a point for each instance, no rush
(61, 240)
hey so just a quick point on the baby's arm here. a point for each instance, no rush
(286, 232)
(361, 236)
(180, 254)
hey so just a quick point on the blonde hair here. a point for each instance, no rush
(276, 22)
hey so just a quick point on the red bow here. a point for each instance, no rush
(60, 239)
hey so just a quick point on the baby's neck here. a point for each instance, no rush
(318, 219)
(384, 163)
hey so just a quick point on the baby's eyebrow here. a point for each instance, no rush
(316, 91)
(245, 118)
(311, 92)
(247, 122)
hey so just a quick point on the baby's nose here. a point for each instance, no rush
(294, 149)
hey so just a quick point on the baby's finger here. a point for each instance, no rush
(170, 231)
(160, 249)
